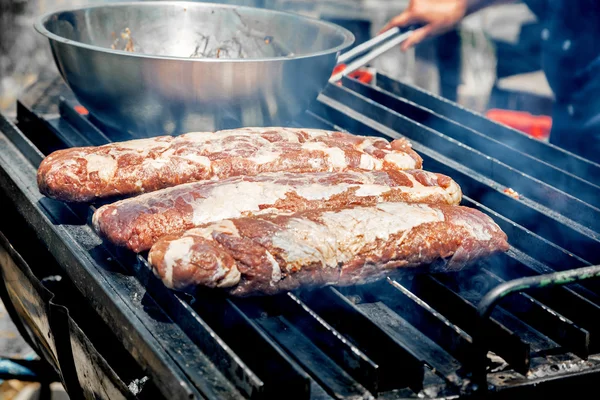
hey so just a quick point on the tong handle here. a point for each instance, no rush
(390, 39)
(369, 44)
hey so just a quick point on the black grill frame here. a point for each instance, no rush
(393, 338)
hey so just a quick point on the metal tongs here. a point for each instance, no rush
(387, 40)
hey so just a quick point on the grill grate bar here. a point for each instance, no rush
(529, 310)
(323, 335)
(519, 264)
(324, 370)
(419, 314)
(515, 158)
(543, 194)
(399, 366)
(500, 339)
(535, 253)
(574, 300)
(430, 352)
(219, 353)
(561, 158)
(253, 346)
(580, 310)
(81, 124)
(536, 340)
(562, 231)
(544, 257)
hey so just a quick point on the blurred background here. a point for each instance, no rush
(491, 62)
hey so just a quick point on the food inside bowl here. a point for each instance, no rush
(207, 46)
(124, 36)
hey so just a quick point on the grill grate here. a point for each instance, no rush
(407, 337)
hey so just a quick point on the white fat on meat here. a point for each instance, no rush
(144, 144)
(364, 144)
(316, 163)
(369, 142)
(179, 251)
(210, 142)
(476, 227)
(276, 272)
(288, 135)
(340, 235)
(317, 191)
(316, 133)
(229, 201)
(420, 191)
(374, 190)
(454, 192)
(401, 160)
(232, 200)
(369, 162)
(195, 158)
(336, 156)
(224, 226)
(231, 277)
(264, 155)
(106, 166)
(304, 242)
(140, 146)
(62, 167)
(215, 143)
(155, 163)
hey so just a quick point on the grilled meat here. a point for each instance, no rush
(270, 253)
(137, 223)
(138, 166)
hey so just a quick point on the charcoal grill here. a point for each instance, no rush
(110, 329)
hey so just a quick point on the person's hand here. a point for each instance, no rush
(438, 16)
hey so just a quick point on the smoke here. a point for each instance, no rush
(24, 54)
(21, 56)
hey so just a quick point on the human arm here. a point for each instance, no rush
(437, 16)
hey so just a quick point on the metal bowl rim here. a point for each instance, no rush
(39, 26)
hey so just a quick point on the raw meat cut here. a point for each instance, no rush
(137, 223)
(271, 253)
(145, 165)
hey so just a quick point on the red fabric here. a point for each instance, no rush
(538, 126)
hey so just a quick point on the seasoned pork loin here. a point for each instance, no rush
(137, 223)
(266, 254)
(138, 166)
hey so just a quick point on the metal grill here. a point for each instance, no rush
(411, 336)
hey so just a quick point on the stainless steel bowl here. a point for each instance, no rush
(194, 66)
